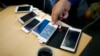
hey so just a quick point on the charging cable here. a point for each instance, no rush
(91, 23)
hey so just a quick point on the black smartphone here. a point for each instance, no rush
(31, 24)
(27, 17)
(57, 38)
(24, 8)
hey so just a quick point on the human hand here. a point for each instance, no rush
(60, 10)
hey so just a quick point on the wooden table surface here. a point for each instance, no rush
(15, 42)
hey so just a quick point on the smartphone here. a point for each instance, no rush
(24, 8)
(27, 17)
(39, 28)
(29, 26)
(57, 37)
(71, 39)
(47, 32)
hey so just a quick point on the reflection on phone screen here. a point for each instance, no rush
(71, 39)
(41, 26)
(33, 23)
(47, 32)
(28, 16)
(24, 8)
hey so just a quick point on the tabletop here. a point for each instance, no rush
(15, 42)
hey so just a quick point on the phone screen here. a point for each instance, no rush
(41, 26)
(32, 24)
(57, 37)
(47, 32)
(71, 39)
(28, 16)
(24, 8)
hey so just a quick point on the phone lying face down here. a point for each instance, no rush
(24, 8)
(32, 24)
(71, 39)
(27, 17)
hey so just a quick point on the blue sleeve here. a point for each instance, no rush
(73, 2)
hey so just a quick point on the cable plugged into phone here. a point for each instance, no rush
(59, 28)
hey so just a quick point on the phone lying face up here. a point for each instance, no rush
(47, 32)
(39, 28)
(71, 39)
(24, 8)
(27, 17)
(29, 26)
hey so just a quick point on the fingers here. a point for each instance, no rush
(65, 15)
(54, 15)
(60, 11)
(54, 18)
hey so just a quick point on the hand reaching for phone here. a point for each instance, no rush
(60, 10)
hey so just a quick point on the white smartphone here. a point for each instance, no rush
(71, 39)
(29, 26)
(24, 8)
(39, 28)
(47, 32)
(27, 17)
